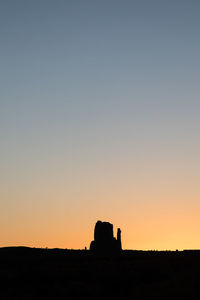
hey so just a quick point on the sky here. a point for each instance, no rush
(99, 120)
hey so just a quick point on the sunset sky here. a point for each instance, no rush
(100, 120)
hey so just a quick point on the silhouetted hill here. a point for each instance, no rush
(31, 273)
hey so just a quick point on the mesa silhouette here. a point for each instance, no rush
(104, 241)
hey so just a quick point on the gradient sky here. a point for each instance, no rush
(100, 119)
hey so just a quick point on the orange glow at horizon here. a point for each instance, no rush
(156, 224)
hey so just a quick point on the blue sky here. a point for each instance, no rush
(90, 89)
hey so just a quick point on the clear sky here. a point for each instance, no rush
(99, 119)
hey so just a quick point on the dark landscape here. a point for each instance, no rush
(103, 272)
(32, 273)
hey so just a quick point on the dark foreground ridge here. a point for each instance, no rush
(31, 273)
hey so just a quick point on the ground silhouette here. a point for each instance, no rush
(32, 273)
(28, 273)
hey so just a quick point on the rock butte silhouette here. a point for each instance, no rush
(104, 241)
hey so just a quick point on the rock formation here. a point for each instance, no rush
(104, 241)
